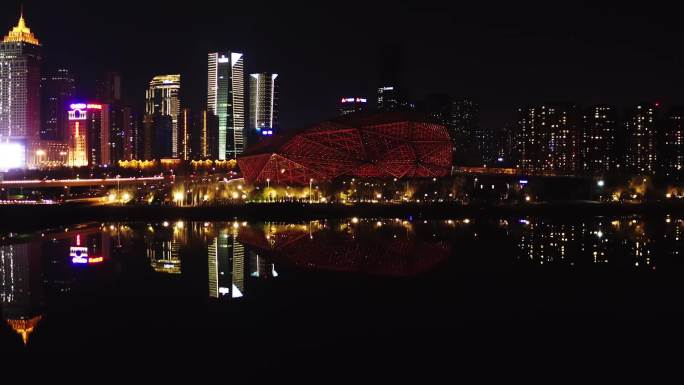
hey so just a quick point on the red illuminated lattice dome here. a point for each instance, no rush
(390, 145)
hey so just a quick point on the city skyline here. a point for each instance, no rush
(557, 137)
(628, 62)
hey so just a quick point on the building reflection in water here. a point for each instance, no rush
(21, 291)
(626, 241)
(226, 259)
(163, 245)
(31, 271)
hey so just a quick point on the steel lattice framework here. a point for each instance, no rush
(384, 145)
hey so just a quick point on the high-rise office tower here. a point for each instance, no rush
(548, 138)
(109, 91)
(673, 143)
(263, 104)
(641, 134)
(598, 139)
(350, 106)
(20, 58)
(108, 88)
(163, 98)
(388, 98)
(226, 100)
(57, 91)
(88, 135)
(199, 130)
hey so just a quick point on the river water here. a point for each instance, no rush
(272, 293)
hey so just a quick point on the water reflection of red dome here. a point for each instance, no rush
(378, 254)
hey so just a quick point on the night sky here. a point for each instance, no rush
(502, 55)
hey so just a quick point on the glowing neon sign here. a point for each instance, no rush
(87, 261)
(83, 106)
(354, 100)
(79, 260)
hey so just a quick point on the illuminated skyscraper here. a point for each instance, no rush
(388, 99)
(88, 135)
(163, 98)
(598, 140)
(20, 58)
(642, 154)
(263, 104)
(226, 100)
(57, 91)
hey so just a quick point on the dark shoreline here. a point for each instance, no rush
(37, 216)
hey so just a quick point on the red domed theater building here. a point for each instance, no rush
(387, 145)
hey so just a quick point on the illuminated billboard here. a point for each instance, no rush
(12, 155)
(79, 256)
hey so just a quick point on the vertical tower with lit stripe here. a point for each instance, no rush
(20, 57)
(226, 100)
(263, 104)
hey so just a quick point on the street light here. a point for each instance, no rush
(310, 188)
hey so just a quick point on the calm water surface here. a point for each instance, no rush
(267, 293)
